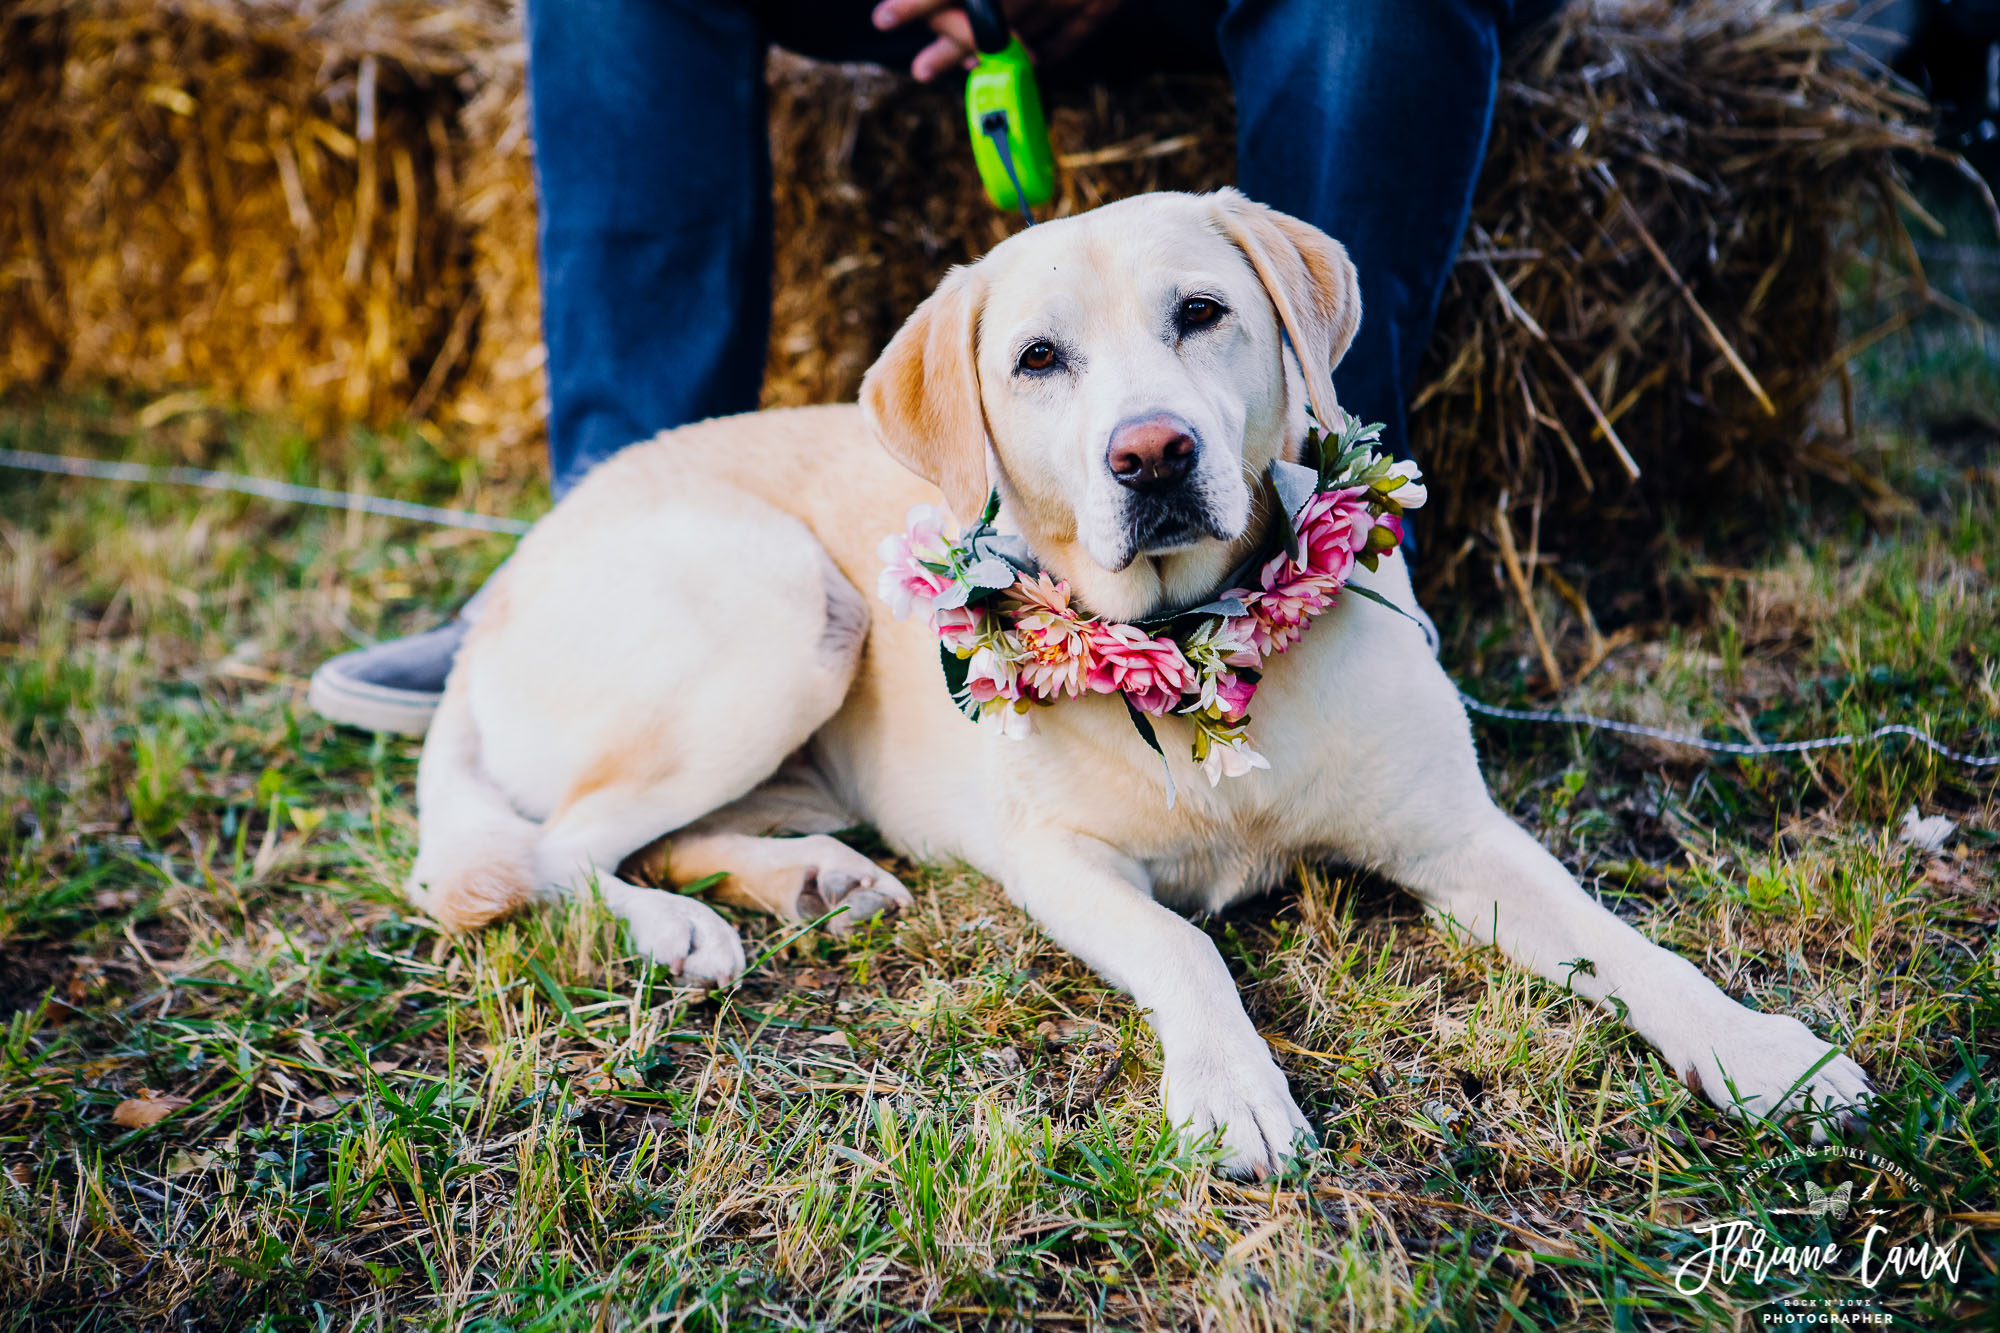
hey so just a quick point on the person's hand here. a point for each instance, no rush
(1054, 29)
(1051, 29)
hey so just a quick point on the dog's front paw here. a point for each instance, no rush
(1763, 1065)
(689, 938)
(834, 875)
(1243, 1094)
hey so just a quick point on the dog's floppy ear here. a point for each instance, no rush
(921, 397)
(1310, 280)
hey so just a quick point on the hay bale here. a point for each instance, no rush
(1649, 284)
(252, 196)
(1647, 305)
(499, 405)
(31, 324)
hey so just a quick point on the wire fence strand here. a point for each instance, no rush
(1746, 748)
(320, 497)
(283, 491)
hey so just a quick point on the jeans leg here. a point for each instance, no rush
(653, 172)
(1369, 119)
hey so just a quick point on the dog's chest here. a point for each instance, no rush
(1213, 845)
(1210, 877)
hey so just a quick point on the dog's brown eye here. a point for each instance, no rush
(1197, 311)
(1039, 356)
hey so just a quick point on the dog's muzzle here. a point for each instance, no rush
(1155, 460)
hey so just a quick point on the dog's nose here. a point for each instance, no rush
(1151, 453)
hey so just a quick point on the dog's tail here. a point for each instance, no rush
(475, 852)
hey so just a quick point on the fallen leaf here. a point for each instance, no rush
(1949, 877)
(187, 1163)
(833, 1039)
(145, 1111)
(329, 1104)
(1058, 1032)
(385, 1066)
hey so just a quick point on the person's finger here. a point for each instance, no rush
(895, 13)
(939, 56)
(954, 25)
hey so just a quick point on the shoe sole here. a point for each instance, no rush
(355, 703)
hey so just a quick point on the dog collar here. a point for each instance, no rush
(1010, 641)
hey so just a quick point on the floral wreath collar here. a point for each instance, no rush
(1010, 641)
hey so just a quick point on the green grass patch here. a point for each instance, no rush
(946, 1122)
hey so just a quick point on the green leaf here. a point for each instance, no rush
(1286, 527)
(1380, 600)
(991, 572)
(956, 669)
(1144, 726)
(561, 1001)
(992, 510)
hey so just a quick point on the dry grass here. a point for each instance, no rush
(947, 1122)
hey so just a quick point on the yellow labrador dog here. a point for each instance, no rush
(681, 648)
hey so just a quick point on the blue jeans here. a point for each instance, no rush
(1367, 118)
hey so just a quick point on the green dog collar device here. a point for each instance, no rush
(1003, 109)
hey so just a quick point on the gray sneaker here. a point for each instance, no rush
(393, 686)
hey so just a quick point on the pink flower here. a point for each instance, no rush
(1233, 693)
(1150, 672)
(960, 627)
(923, 529)
(990, 676)
(1055, 642)
(1224, 696)
(1291, 598)
(1333, 526)
(1333, 529)
(905, 584)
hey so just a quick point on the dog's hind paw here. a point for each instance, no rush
(1769, 1066)
(1244, 1095)
(837, 876)
(687, 937)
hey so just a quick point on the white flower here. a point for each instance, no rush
(1016, 724)
(1224, 641)
(1412, 493)
(1230, 759)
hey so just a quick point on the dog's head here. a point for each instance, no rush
(1122, 377)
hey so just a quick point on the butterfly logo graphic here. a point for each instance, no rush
(1829, 1203)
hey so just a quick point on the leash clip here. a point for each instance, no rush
(1003, 111)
